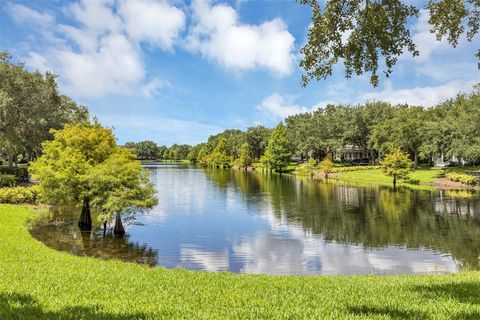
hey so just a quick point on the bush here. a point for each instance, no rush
(356, 168)
(17, 195)
(21, 173)
(307, 168)
(412, 181)
(462, 177)
(7, 180)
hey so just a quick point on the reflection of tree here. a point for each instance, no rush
(60, 231)
(109, 246)
(373, 217)
(221, 178)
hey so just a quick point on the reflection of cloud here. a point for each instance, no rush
(264, 253)
(288, 249)
(208, 260)
(176, 190)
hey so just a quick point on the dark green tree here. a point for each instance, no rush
(278, 149)
(370, 34)
(257, 139)
(147, 150)
(30, 105)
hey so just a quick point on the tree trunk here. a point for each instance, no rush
(10, 160)
(415, 159)
(85, 221)
(394, 182)
(118, 230)
(104, 227)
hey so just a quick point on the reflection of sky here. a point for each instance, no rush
(203, 225)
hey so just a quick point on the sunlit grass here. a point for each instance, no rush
(425, 176)
(39, 283)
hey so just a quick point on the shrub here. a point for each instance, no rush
(462, 177)
(17, 195)
(307, 168)
(412, 181)
(7, 180)
(356, 168)
(21, 173)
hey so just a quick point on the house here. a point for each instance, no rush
(454, 160)
(351, 153)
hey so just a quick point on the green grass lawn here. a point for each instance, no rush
(375, 177)
(39, 283)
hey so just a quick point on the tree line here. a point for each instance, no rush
(30, 106)
(149, 150)
(449, 129)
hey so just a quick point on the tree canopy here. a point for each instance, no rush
(30, 105)
(397, 165)
(369, 36)
(83, 165)
(279, 149)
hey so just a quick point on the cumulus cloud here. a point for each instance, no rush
(278, 107)
(102, 53)
(218, 34)
(426, 96)
(426, 41)
(21, 14)
(156, 22)
(96, 15)
(115, 67)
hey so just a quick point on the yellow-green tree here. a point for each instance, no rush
(244, 159)
(279, 149)
(397, 165)
(82, 165)
(326, 166)
(219, 157)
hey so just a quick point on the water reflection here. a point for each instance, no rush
(59, 230)
(222, 220)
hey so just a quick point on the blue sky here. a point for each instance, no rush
(179, 71)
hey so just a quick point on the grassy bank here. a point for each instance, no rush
(39, 283)
(425, 177)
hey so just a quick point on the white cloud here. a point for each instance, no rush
(153, 21)
(37, 61)
(280, 107)
(114, 68)
(218, 35)
(426, 41)
(96, 15)
(103, 54)
(22, 14)
(153, 87)
(425, 96)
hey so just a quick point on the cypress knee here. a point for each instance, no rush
(118, 229)
(85, 221)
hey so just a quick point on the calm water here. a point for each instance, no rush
(222, 220)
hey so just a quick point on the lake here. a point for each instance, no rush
(244, 222)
